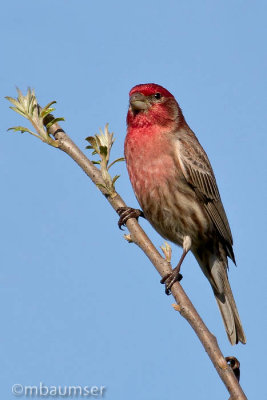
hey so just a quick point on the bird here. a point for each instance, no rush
(175, 185)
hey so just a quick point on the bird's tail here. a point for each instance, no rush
(230, 316)
(217, 275)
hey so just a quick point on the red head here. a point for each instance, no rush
(152, 104)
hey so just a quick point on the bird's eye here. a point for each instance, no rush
(157, 96)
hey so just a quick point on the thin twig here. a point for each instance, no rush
(138, 236)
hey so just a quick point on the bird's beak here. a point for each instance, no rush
(138, 102)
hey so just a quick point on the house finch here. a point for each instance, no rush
(176, 188)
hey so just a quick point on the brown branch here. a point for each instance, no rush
(138, 236)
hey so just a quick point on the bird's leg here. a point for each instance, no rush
(126, 213)
(175, 275)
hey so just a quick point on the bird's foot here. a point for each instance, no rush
(126, 213)
(170, 278)
(235, 365)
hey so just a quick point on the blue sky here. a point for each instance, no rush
(79, 305)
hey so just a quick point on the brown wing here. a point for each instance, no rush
(199, 174)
